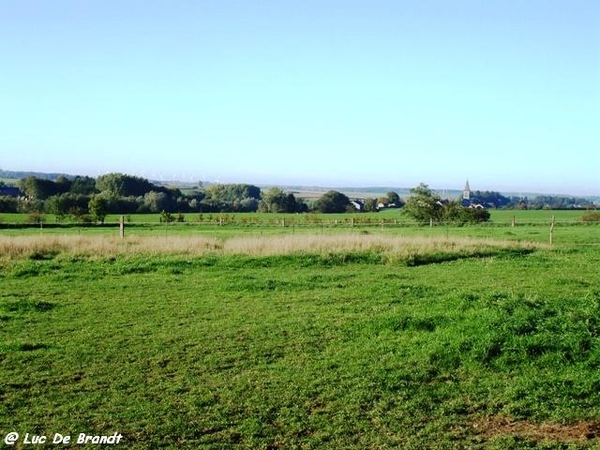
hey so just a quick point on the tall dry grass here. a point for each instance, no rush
(18, 246)
(101, 246)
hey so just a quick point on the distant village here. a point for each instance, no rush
(125, 194)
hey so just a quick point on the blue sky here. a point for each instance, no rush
(314, 92)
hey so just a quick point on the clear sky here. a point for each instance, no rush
(505, 93)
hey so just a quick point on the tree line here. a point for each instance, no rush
(88, 199)
(495, 200)
(84, 198)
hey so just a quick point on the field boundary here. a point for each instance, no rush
(292, 222)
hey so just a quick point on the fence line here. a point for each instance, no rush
(353, 222)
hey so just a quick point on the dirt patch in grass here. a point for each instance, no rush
(579, 432)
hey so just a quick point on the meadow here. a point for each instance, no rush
(304, 337)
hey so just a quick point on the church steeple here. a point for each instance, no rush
(466, 193)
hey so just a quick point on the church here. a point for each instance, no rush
(466, 195)
(466, 198)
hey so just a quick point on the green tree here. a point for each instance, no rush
(63, 184)
(489, 199)
(476, 215)
(423, 204)
(248, 204)
(98, 207)
(273, 200)
(64, 204)
(370, 204)
(295, 205)
(83, 185)
(332, 202)
(590, 217)
(39, 188)
(166, 217)
(393, 198)
(157, 201)
(9, 204)
(453, 211)
(122, 185)
(228, 197)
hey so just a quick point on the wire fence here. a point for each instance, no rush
(556, 231)
(301, 222)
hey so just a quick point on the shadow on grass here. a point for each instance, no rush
(441, 257)
(10, 347)
(26, 305)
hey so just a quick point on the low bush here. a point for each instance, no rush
(590, 217)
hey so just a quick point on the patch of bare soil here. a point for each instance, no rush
(579, 432)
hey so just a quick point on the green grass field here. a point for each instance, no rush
(223, 337)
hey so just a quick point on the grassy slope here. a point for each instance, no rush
(302, 351)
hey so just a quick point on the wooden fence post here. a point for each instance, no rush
(513, 221)
(552, 230)
(122, 226)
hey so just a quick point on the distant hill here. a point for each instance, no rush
(17, 175)
(311, 192)
(12, 176)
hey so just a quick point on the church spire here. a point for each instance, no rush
(467, 192)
